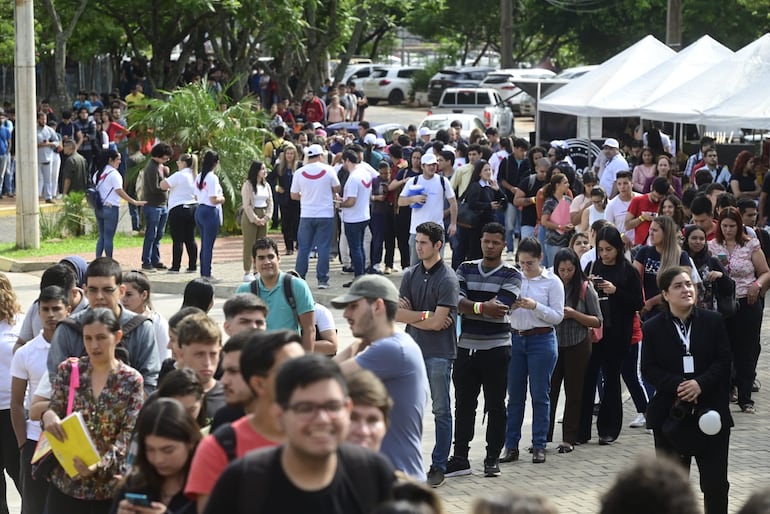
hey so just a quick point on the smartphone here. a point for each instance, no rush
(598, 280)
(140, 500)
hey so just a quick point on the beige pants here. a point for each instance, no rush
(251, 233)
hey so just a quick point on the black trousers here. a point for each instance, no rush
(607, 355)
(743, 329)
(9, 457)
(487, 369)
(289, 224)
(571, 369)
(34, 492)
(403, 220)
(60, 503)
(712, 465)
(181, 223)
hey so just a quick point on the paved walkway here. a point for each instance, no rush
(573, 481)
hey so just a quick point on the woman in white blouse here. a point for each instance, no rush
(257, 198)
(182, 204)
(109, 183)
(534, 316)
(208, 216)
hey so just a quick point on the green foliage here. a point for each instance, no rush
(50, 224)
(76, 214)
(192, 119)
(422, 77)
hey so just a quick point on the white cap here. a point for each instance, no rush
(428, 158)
(558, 143)
(424, 131)
(380, 143)
(449, 148)
(370, 139)
(317, 125)
(612, 143)
(314, 151)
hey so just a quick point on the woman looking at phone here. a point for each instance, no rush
(620, 296)
(167, 437)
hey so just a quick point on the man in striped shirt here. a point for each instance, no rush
(488, 288)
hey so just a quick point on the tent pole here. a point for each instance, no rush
(537, 115)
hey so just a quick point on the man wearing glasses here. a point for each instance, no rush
(104, 288)
(313, 471)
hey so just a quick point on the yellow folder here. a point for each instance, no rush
(78, 443)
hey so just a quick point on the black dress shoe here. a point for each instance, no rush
(538, 455)
(606, 440)
(510, 455)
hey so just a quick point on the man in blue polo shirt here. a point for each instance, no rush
(270, 287)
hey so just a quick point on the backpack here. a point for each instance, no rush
(93, 196)
(225, 437)
(287, 291)
(120, 352)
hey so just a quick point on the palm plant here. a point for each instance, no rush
(194, 119)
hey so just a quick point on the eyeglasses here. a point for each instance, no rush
(309, 410)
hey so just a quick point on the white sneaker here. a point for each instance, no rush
(639, 422)
(248, 277)
(510, 256)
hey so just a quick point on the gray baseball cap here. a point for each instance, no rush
(368, 286)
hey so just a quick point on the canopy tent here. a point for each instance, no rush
(731, 87)
(613, 75)
(663, 78)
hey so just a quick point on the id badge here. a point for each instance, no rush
(688, 364)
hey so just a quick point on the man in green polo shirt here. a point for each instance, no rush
(269, 286)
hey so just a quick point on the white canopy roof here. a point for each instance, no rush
(729, 93)
(613, 75)
(663, 78)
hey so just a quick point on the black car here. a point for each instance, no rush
(469, 76)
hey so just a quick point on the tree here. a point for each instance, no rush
(62, 35)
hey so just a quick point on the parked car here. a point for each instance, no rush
(527, 103)
(359, 72)
(485, 103)
(435, 122)
(503, 82)
(470, 76)
(391, 83)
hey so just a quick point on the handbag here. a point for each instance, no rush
(42, 468)
(467, 217)
(724, 293)
(595, 334)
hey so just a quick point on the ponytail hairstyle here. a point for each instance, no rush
(210, 160)
(191, 161)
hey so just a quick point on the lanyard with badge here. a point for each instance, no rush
(684, 329)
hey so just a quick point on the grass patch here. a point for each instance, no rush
(83, 244)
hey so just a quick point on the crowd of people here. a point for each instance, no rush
(629, 270)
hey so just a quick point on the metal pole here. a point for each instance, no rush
(25, 132)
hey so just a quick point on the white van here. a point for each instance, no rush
(485, 103)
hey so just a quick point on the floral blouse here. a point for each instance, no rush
(738, 264)
(110, 418)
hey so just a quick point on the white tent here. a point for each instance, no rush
(747, 70)
(663, 78)
(613, 75)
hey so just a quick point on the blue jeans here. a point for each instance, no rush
(541, 237)
(107, 224)
(9, 182)
(439, 376)
(549, 252)
(532, 357)
(355, 234)
(314, 233)
(527, 231)
(207, 219)
(155, 219)
(511, 227)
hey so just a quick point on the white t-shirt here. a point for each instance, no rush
(260, 197)
(496, 160)
(433, 208)
(182, 190)
(315, 182)
(616, 212)
(8, 336)
(610, 172)
(160, 325)
(29, 363)
(44, 388)
(324, 319)
(108, 182)
(358, 186)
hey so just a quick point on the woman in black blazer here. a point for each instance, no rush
(665, 357)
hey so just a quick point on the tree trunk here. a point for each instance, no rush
(61, 36)
(358, 31)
